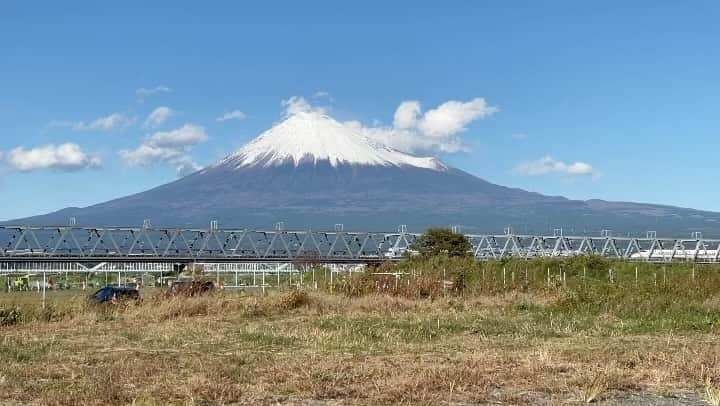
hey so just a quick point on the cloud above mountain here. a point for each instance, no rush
(144, 91)
(171, 147)
(64, 157)
(549, 165)
(437, 129)
(158, 116)
(232, 115)
(414, 131)
(113, 121)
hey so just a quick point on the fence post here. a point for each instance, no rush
(443, 280)
(636, 277)
(44, 283)
(693, 273)
(483, 276)
(548, 277)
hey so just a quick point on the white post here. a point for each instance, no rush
(443, 279)
(43, 286)
(636, 276)
(548, 277)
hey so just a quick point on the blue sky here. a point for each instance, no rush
(612, 100)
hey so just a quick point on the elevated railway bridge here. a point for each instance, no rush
(26, 249)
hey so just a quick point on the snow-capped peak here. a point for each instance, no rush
(311, 136)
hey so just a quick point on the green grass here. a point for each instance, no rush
(421, 344)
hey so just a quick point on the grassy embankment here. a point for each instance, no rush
(448, 330)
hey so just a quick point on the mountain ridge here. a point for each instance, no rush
(311, 171)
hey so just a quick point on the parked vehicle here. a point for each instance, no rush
(112, 294)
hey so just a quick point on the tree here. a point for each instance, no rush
(442, 241)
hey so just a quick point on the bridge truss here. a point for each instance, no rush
(90, 246)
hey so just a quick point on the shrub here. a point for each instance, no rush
(442, 241)
(294, 299)
(10, 317)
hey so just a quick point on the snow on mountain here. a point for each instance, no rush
(311, 137)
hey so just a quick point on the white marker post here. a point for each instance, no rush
(44, 283)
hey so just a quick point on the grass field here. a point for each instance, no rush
(512, 340)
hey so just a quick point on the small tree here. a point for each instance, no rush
(442, 241)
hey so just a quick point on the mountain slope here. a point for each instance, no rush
(312, 171)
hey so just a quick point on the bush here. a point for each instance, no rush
(294, 299)
(442, 241)
(10, 317)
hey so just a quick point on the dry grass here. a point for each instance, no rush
(590, 385)
(297, 346)
(712, 392)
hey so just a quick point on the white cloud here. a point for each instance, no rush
(547, 165)
(451, 117)
(65, 157)
(150, 91)
(412, 131)
(185, 168)
(437, 129)
(171, 147)
(298, 104)
(232, 115)
(406, 115)
(187, 135)
(114, 121)
(158, 116)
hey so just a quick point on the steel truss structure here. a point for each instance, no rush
(649, 248)
(93, 246)
(145, 244)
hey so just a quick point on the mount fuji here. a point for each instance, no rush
(312, 171)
